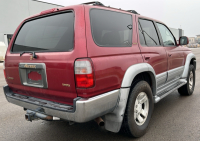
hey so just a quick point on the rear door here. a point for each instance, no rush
(152, 50)
(174, 53)
(50, 75)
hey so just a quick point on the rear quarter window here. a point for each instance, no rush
(111, 29)
(46, 34)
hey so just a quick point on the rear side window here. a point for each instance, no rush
(149, 32)
(52, 33)
(141, 36)
(111, 29)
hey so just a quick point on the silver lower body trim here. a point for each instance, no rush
(85, 109)
(113, 120)
(157, 98)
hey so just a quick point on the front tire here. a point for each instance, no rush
(188, 88)
(139, 110)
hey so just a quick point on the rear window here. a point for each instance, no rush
(52, 33)
(111, 29)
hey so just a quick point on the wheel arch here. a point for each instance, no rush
(137, 72)
(193, 62)
(190, 59)
(144, 71)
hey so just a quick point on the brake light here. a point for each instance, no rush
(4, 69)
(84, 73)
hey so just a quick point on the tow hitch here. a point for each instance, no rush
(33, 115)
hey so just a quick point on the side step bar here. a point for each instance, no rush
(157, 98)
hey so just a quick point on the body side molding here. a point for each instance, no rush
(190, 56)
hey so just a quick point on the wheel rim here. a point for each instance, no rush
(191, 80)
(141, 108)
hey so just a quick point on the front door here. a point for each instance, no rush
(174, 53)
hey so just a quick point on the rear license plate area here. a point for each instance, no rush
(33, 74)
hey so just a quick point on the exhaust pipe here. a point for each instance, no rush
(31, 115)
(99, 121)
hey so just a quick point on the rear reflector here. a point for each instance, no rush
(4, 73)
(4, 69)
(84, 73)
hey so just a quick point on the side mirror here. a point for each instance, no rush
(183, 40)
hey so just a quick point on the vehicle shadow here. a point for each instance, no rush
(61, 130)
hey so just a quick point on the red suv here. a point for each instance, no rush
(92, 62)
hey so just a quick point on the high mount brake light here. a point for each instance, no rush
(84, 73)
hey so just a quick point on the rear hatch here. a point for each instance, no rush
(40, 60)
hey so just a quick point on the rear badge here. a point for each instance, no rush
(10, 78)
(30, 66)
(66, 85)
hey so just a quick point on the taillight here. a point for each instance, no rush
(4, 69)
(84, 73)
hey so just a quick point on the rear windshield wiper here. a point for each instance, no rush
(31, 52)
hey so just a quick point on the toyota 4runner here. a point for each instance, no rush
(92, 62)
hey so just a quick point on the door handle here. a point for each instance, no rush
(147, 58)
(169, 55)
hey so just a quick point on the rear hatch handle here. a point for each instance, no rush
(31, 52)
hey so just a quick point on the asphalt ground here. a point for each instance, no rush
(174, 118)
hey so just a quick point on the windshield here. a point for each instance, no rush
(52, 33)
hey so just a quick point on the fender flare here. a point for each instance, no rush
(136, 69)
(113, 120)
(190, 56)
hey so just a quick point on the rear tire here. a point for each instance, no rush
(139, 110)
(188, 88)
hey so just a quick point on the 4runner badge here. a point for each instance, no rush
(30, 66)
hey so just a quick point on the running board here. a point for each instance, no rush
(158, 97)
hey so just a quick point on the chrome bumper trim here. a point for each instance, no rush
(84, 109)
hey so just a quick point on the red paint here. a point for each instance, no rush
(157, 55)
(59, 66)
(109, 63)
(4, 73)
(48, 11)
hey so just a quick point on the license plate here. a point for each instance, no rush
(33, 74)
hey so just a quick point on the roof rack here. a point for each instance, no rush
(133, 11)
(95, 3)
(100, 4)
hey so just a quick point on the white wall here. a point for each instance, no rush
(13, 12)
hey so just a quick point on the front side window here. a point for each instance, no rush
(149, 32)
(167, 37)
(52, 33)
(111, 29)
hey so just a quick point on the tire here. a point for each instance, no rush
(188, 88)
(132, 124)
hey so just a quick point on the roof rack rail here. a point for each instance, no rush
(101, 4)
(95, 3)
(133, 11)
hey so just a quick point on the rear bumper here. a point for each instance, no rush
(83, 109)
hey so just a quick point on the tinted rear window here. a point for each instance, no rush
(111, 29)
(52, 33)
